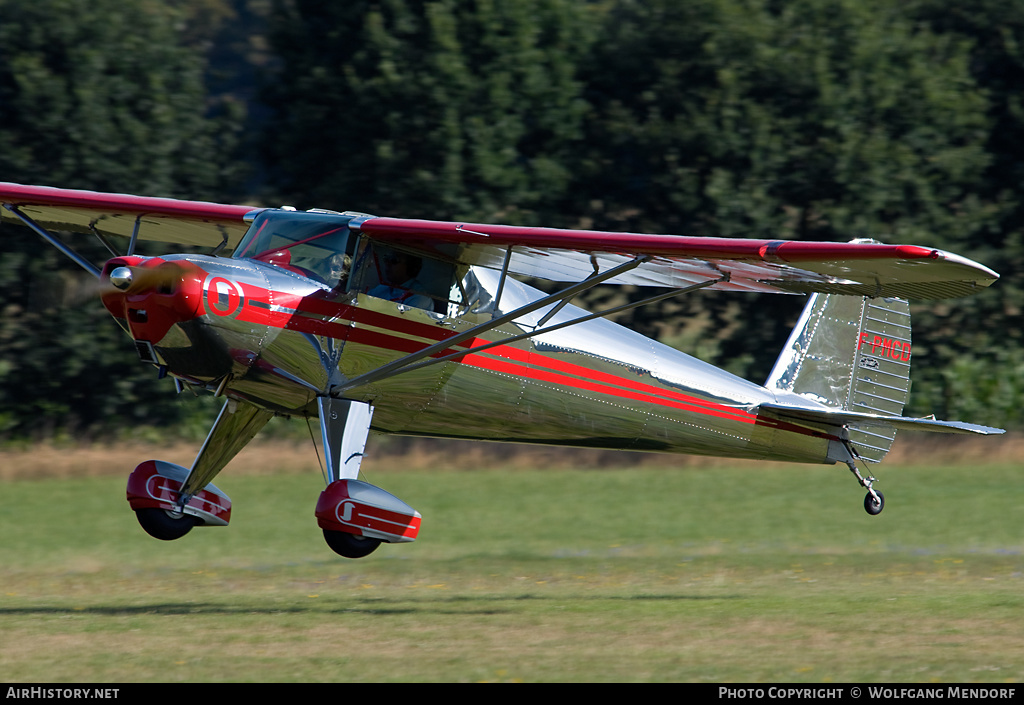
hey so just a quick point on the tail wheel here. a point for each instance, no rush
(873, 506)
(164, 525)
(350, 545)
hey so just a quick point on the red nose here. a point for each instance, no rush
(152, 294)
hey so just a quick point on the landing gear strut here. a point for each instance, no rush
(874, 501)
(355, 516)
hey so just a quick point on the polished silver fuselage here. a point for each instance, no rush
(279, 340)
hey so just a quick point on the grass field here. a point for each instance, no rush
(715, 574)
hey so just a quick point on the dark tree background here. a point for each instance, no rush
(811, 119)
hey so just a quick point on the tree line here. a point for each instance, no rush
(807, 119)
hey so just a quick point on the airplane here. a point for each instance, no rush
(422, 327)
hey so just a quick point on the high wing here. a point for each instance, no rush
(190, 223)
(769, 266)
(725, 264)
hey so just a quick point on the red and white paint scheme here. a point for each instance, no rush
(156, 484)
(359, 508)
(423, 327)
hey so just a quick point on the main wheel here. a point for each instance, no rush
(350, 545)
(871, 506)
(164, 525)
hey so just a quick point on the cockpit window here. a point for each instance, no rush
(409, 278)
(316, 245)
(320, 246)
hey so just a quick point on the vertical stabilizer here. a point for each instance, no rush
(850, 353)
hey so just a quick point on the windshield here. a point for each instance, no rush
(314, 245)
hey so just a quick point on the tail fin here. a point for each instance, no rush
(852, 354)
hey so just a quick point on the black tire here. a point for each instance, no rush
(162, 525)
(871, 506)
(350, 545)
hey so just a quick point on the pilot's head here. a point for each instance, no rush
(338, 267)
(400, 266)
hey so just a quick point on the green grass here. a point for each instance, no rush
(711, 575)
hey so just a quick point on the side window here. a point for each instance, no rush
(469, 295)
(405, 277)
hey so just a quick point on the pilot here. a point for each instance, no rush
(338, 267)
(403, 268)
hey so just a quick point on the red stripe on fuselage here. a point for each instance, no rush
(628, 384)
(429, 332)
(305, 315)
(540, 375)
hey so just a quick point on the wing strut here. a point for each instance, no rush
(501, 279)
(565, 324)
(45, 234)
(102, 238)
(564, 302)
(135, 234)
(407, 363)
(396, 366)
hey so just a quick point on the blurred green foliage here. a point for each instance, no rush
(810, 119)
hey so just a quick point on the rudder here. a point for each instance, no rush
(851, 353)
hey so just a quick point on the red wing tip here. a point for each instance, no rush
(22, 195)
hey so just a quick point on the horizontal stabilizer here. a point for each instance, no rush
(838, 417)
